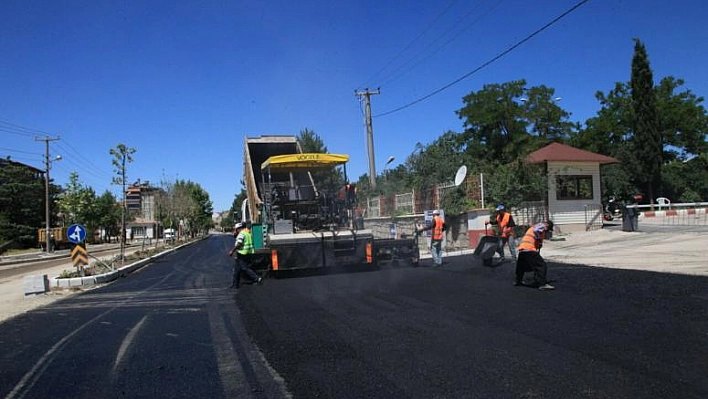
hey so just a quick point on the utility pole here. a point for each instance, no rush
(366, 94)
(47, 166)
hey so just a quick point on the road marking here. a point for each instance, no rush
(32, 376)
(232, 378)
(127, 341)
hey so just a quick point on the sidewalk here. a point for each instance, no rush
(655, 247)
(12, 292)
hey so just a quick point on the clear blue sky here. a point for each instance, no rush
(183, 82)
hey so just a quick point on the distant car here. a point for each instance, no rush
(169, 235)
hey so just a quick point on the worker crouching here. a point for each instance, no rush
(529, 256)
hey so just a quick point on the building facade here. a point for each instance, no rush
(142, 202)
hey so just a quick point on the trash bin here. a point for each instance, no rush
(630, 219)
(486, 248)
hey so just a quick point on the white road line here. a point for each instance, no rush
(126, 343)
(30, 378)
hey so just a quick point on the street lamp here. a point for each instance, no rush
(388, 162)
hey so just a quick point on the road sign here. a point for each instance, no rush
(76, 233)
(79, 255)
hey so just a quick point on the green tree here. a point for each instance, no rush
(514, 183)
(21, 204)
(646, 142)
(494, 121)
(682, 127)
(327, 180)
(109, 215)
(683, 124)
(609, 131)
(503, 124)
(77, 203)
(546, 118)
(122, 154)
(192, 207)
(311, 142)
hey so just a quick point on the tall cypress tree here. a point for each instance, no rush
(647, 144)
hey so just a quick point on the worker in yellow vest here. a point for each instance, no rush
(244, 249)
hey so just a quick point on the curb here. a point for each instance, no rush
(11, 260)
(67, 283)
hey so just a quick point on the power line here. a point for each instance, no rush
(442, 46)
(8, 127)
(86, 165)
(500, 55)
(395, 57)
(20, 151)
(93, 169)
(19, 133)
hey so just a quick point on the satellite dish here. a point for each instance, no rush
(460, 175)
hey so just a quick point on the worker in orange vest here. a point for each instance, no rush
(530, 259)
(438, 228)
(506, 231)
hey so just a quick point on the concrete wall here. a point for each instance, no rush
(456, 238)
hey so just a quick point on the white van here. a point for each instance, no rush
(169, 235)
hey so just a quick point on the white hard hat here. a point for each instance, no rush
(238, 226)
(436, 212)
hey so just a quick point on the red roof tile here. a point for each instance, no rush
(557, 152)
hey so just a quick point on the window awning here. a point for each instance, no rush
(292, 162)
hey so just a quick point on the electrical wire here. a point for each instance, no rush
(20, 151)
(487, 63)
(445, 44)
(83, 164)
(410, 44)
(8, 127)
(92, 169)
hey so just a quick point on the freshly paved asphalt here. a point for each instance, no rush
(174, 330)
(463, 331)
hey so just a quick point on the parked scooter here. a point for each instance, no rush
(612, 209)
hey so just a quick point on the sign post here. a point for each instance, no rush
(76, 233)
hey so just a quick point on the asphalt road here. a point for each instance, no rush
(170, 330)
(174, 330)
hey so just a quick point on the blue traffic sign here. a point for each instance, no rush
(76, 233)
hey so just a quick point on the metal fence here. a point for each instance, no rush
(530, 213)
(404, 204)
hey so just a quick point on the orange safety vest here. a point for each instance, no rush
(438, 228)
(530, 241)
(503, 222)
